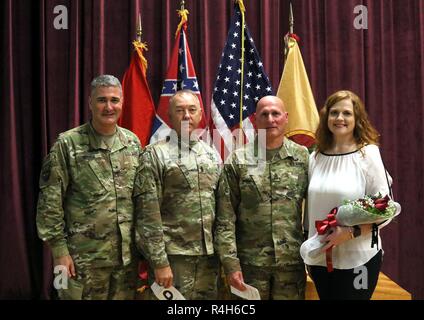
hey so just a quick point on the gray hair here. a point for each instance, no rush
(182, 92)
(105, 80)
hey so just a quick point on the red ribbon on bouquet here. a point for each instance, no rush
(322, 227)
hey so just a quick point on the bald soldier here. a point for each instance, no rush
(259, 219)
(85, 209)
(174, 195)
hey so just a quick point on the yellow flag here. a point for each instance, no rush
(296, 93)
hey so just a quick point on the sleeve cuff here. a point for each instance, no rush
(160, 263)
(59, 250)
(231, 266)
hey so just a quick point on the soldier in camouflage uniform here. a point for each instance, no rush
(259, 218)
(174, 196)
(85, 210)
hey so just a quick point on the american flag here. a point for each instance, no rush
(180, 75)
(225, 105)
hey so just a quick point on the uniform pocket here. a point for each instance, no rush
(129, 166)
(91, 174)
(102, 172)
(250, 190)
(178, 177)
(208, 176)
(73, 292)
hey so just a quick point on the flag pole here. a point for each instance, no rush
(287, 36)
(242, 10)
(291, 19)
(182, 4)
(139, 30)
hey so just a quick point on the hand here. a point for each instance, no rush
(68, 263)
(335, 237)
(164, 276)
(235, 279)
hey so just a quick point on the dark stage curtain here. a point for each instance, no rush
(45, 78)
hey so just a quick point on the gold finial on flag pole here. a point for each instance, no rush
(139, 28)
(183, 13)
(138, 45)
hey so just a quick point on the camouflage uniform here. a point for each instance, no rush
(259, 219)
(85, 210)
(175, 206)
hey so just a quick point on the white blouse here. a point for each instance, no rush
(335, 178)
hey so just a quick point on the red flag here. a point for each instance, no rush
(138, 110)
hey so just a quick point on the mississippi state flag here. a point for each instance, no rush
(180, 75)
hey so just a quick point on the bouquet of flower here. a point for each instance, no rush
(368, 210)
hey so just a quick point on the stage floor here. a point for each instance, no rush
(386, 290)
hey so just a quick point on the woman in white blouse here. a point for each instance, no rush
(345, 166)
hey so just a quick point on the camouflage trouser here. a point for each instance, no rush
(110, 283)
(194, 276)
(276, 283)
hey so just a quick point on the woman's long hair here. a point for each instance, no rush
(364, 133)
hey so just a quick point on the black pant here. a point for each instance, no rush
(347, 284)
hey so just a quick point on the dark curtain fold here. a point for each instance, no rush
(46, 75)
